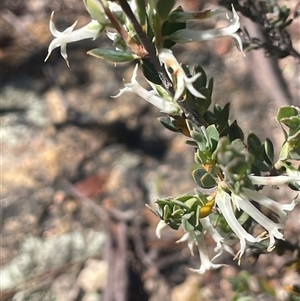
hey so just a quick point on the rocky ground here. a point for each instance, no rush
(79, 166)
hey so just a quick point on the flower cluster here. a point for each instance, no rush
(233, 168)
(226, 203)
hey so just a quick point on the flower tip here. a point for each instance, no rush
(162, 224)
(67, 62)
(45, 60)
(52, 16)
(271, 248)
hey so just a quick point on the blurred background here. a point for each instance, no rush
(78, 167)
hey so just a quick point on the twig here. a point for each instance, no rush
(154, 60)
(149, 48)
(135, 48)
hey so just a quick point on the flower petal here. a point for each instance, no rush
(269, 203)
(223, 200)
(206, 263)
(260, 218)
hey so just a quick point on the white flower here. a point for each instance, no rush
(275, 180)
(164, 105)
(190, 237)
(184, 36)
(223, 200)
(197, 238)
(90, 31)
(243, 203)
(269, 203)
(206, 263)
(216, 236)
(167, 58)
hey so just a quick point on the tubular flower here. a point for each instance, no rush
(223, 200)
(167, 58)
(90, 31)
(278, 180)
(216, 236)
(206, 263)
(197, 239)
(243, 202)
(164, 105)
(184, 36)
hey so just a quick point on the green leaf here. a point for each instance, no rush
(261, 165)
(235, 132)
(191, 202)
(292, 122)
(201, 81)
(213, 137)
(223, 117)
(150, 72)
(203, 179)
(167, 212)
(284, 152)
(199, 139)
(187, 226)
(210, 86)
(177, 213)
(164, 7)
(254, 145)
(141, 11)
(269, 151)
(115, 56)
(285, 112)
(179, 203)
(169, 27)
(184, 198)
(167, 122)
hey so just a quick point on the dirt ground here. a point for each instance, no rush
(78, 168)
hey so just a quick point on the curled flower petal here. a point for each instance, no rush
(161, 225)
(167, 58)
(91, 30)
(161, 103)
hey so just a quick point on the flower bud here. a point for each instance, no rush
(96, 11)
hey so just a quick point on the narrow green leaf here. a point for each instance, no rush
(150, 72)
(115, 56)
(141, 11)
(269, 151)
